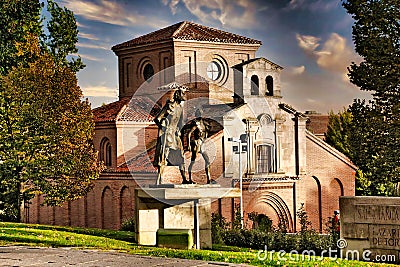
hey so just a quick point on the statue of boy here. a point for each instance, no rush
(199, 130)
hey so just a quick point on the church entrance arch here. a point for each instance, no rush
(273, 206)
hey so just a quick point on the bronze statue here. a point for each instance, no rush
(199, 129)
(169, 149)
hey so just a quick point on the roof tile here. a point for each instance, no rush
(109, 112)
(139, 109)
(188, 31)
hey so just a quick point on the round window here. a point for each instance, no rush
(213, 71)
(148, 72)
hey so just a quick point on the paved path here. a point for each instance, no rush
(59, 257)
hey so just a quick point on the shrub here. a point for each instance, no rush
(260, 221)
(128, 225)
(218, 228)
(274, 238)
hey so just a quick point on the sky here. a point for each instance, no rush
(310, 39)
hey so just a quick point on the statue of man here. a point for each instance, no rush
(169, 149)
(199, 130)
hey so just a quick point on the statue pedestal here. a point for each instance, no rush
(170, 206)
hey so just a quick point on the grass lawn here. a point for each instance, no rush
(59, 236)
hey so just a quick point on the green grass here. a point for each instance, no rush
(57, 236)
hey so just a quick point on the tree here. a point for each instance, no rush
(338, 132)
(18, 18)
(62, 37)
(46, 131)
(375, 138)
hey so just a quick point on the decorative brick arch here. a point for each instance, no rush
(107, 209)
(319, 201)
(277, 204)
(335, 191)
(340, 185)
(125, 204)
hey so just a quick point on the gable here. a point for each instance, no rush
(186, 30)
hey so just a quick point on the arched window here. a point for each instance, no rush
(265, 161)
(148, 72)
(269, 86)
(106, 152)
(254, 85)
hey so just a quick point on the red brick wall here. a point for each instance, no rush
(334, 172)
(110, 202)
(112, 199)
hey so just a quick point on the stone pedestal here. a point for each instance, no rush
(177, 207)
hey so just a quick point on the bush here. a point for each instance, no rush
(218, 228)
(128, 225)
(275, 239)
(260, 221)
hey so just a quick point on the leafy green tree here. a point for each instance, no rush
(62, 37)
(338, 132)
(375, 130)
(46, 132)
(45, 128)
(18, 18)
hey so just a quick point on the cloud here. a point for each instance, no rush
(318, 91)
(91, 58)
(93, 46)
(329, 89)
(99, 90)
(334, 56)
(297, 70)
(88, 36)
(109, 12)
(294, 4)
(172, 5)
(313, 5)
(308, 43)
(237, 14)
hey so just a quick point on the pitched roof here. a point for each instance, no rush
(186, 30)
(324, 145)
(109, 112)
(237, 66)
(138, 109)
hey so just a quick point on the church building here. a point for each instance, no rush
(255, 135)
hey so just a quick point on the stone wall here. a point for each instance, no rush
(370, 228)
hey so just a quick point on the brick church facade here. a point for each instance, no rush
(284, 166)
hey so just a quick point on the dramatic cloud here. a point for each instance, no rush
(308, 43)
(237, 14)
(99, 90)
(110, 12)
(335, 54)
(325, 90)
